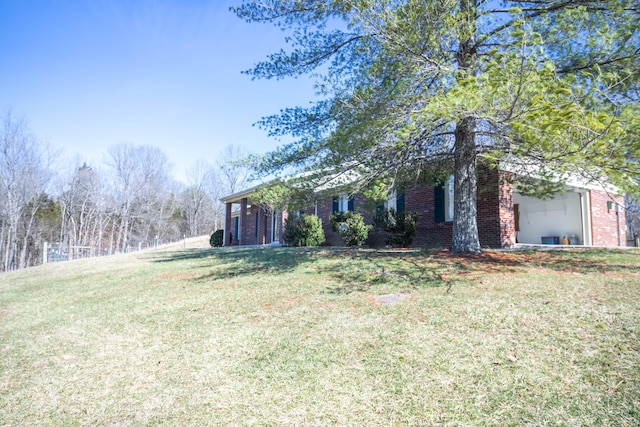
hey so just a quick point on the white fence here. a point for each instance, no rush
(56, 252)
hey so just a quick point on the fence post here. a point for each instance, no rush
(45, 252)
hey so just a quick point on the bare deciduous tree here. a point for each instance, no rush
(84, 210)
(25, 171)
(234, 172)
(196, 200)
(139, 172)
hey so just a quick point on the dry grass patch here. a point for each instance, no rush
(279, 336)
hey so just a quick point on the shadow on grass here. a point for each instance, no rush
(354, 269)
(583, 261)
(443, 268)
(233, 262)
(358, 270)
(387, 268)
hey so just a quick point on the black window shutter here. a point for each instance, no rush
(350, 205)
(438, 203)
(400, 202)
(336, 204)
(379, 210)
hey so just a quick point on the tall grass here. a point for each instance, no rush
(279, 336)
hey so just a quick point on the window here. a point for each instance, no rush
(395, 202)
(343, 204)
(448, 199)
(443, 201)
(392, 201)
(400, 202)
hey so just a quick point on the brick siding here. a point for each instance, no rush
(248, 226)
(495, 217)
(608, 226)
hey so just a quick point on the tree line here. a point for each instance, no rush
(129, 202)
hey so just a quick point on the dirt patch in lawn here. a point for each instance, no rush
(389, 298)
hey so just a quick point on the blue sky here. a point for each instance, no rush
(88, 74)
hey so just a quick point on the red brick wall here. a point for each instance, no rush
(420, 199)
(496, 223)
(608, 226)
(250, 228)
(496, 220)
(325, 209)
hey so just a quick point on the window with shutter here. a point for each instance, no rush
(400, 202)
(448, 199)
(343, 204)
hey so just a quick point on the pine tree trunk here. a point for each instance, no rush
(465, 225)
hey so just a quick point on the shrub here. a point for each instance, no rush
(216, 239)
(351, 227)
(303, 230)
(399, 228)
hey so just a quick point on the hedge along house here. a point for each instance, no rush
(584, 214)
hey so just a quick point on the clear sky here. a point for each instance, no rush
(88, 74)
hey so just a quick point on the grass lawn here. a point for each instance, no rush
(313, 337)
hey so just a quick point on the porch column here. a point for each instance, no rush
(227, 238)
(260, 225)
(243, 222)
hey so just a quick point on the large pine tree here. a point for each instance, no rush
(416, 89)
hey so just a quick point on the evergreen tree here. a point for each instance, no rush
(419, 90)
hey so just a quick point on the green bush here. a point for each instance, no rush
(351, 227)
(399, 228)
(216, 239)
(303, 230)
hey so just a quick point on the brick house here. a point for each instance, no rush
(585, 214)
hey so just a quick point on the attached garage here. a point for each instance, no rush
(566, 214)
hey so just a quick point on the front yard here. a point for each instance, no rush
(283, 336)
